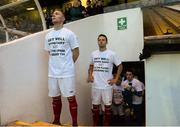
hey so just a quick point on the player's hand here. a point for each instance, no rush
(127, 86)
(132, 89)
(112, 81)
(90, 79)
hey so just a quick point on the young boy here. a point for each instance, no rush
(118, 104)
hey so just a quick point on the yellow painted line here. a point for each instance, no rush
(40, 123)
(21, 123)
(36, 123)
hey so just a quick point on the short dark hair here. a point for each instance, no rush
(130, 70)
(103, 35)
(58, 9)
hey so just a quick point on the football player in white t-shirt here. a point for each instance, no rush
(63, 48)
(100, 75)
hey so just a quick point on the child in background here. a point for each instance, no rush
(118, 104)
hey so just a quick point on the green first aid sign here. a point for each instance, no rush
(122, 23)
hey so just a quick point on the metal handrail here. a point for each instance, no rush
(13, 4)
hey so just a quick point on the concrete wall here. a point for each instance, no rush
(23, 67)
(162, 90)
(23, 82)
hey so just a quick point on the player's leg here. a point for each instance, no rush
(120, 118)
(67, 88)
(54, 92)
(57, 106)
(95, 111)
(96, 100)
(114, 118)
(73, 109)
(107, 100)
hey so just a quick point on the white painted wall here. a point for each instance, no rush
(23, 67)
(162, 90)
(23, 82)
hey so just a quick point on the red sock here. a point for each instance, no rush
(73, 110)
(57, 106)
(95, 111)
(107, 116)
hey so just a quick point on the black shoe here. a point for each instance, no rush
(56, 123)
(74, 124)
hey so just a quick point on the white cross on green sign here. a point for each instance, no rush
(122, 23)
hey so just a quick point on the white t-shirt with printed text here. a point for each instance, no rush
(60, 43)
(102, 62)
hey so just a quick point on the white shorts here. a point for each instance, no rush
(101, 95)
(61, 86)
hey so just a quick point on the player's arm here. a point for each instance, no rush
(120, 68)
(46, 45)
(138, 93)
(75, 53)
(115, 80)
(90, 73)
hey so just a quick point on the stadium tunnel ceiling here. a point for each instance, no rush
(157, 20)
(42, 2)
(11, 11)
(45, 3)
(22, 7)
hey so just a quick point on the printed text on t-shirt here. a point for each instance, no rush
(56, 45)
(101, 64)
